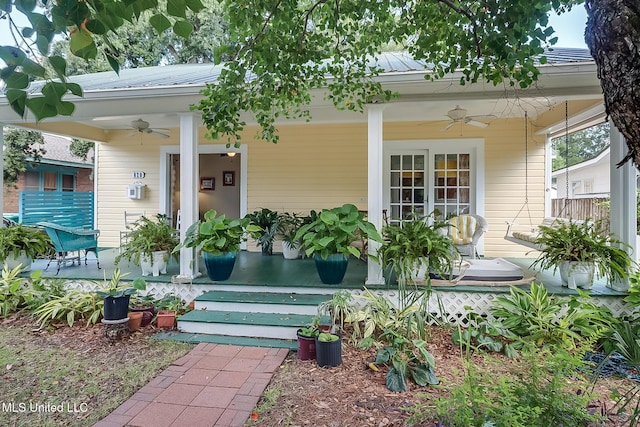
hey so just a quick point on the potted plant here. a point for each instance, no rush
(307, 342)
(581, 250)
(20, 244)
(269, 223)
(328, 350)
(116, 295)
(219, 238)
(414, 249)
(329, 237)
(170, 306)
(288, 228)
(149, 243)
(145, 305)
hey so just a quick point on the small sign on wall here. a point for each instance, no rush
(228, 178)
(207, 184)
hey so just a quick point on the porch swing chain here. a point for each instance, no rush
(566, 153)
(526, 172)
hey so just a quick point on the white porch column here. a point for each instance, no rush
(374, 193)
(188, 190)
(623, 198)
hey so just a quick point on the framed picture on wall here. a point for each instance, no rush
(228, 178)
(207, 184)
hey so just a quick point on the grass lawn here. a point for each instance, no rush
(73, 376)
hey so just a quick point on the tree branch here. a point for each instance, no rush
(468, 15)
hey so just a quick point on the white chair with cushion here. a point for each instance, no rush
(466, 230)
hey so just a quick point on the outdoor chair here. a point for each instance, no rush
(130, 218)
(69, 240)
(466, 230)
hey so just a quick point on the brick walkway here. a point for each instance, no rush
(213, 385)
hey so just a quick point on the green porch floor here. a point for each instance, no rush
(254, 269)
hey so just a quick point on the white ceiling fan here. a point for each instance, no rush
(142, 126)
(459, 115)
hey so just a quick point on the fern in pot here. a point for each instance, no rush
(150, 241)
(288, 228)
(268, 222)
(20, 244)
(581, 250)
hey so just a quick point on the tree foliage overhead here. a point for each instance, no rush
(280, 51)
(21, 149)
(579, 146)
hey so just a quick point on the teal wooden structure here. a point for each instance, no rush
(65, 208)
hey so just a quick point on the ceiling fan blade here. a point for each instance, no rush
(482, 116)
(160, 134)
(451, 123)
(476, 123)
(133, 133)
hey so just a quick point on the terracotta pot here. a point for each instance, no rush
(135, 320)
(166, 318)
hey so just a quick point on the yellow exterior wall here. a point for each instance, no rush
(317, 166)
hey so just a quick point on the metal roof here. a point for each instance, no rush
(200, 74)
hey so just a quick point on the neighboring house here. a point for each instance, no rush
(587, 179)
(397, 156)
(58, 170)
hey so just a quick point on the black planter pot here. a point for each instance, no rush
(116, 308)
(329, 354)
(332, 269)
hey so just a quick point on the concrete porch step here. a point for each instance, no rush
(226, 339)
(260, 302)
(244, 324)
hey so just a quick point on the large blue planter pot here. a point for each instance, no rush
(332, 269)
(219, 267)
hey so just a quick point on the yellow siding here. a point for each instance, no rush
(322, 166)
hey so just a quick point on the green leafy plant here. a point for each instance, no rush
(540, 392)
(584, 241)
(74, 305)
(268, 222)
(147, 236)
(16, 238)
(328, 337)
(484, 335)
(542, 319)
(115, 288)
(12, 291)
(217, 234)
(339, 308)
(409, 358)
(172, 302)
(288, 227)
(333, 231)
(308, 331)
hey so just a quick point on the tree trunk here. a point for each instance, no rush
(613, 37)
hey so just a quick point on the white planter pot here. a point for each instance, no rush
(157, 267)
(577, 274)
(290, 251)
(13, 261)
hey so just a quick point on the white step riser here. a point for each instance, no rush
(257, 331)
(311, 310)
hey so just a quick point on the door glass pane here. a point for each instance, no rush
(464, 161)
(452, 183)
(395, 179)
(407, 162)
(407, 189)
(395, 195)
(418, 162)
(395, 163)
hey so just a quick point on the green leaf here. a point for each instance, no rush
(41, 108)
(160, 23)
(396, 380)
(17, 99)
(115, 66)
(195, 5)
(66, 108)
(26, 5)
(59, 65)
(177, 8)
(17, 80)
(33, 68)
(96, 27)
(54, 91)
(12, 56)
(75, 89)
(81, 44)
(183, 28)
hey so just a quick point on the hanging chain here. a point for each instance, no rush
(526, 157)
(566, 150)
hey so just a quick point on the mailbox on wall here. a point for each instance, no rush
(136, 190)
